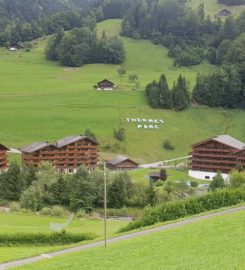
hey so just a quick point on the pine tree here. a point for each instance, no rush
(163, 175)
(12, 184)
(165, 98)
(181, 97)
(60, 191)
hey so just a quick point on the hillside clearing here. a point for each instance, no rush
(44, 101)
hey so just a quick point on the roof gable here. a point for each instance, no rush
(224, 139)
(105, 81)
(72, 139)
(119, 159)
(35, 147)
(3, 147)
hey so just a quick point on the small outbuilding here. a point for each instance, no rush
(106, 85)
(224, 13)
(154, 176)
(16, 47)
(122, 163)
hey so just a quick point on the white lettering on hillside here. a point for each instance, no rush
(146, 123)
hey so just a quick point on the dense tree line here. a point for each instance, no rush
(160, 96)
(189, 34)
(82, 46)
(43, 17)
(39, 188)
(222, 88)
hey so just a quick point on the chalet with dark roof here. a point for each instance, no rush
(66, 155)
(16, 47)
(223, 13)
(106, 85)
(3, 157)
(154, 176)
(122, 163)
(221, 153)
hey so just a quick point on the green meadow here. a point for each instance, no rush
(12, 223)
(217, 243)
(41, 100)
(142, 176)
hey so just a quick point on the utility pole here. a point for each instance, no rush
(105, 205)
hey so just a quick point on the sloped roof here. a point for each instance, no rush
(3, 147)
(71, 139)
(119, 159)
(154, 174)
(105, 80)
(228, 140)
(225, 139)
(35, 147)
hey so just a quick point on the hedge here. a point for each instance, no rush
(38, 239)
(191, 206)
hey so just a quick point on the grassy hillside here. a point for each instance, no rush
(41, 100)
(212, 7)
(218, 243)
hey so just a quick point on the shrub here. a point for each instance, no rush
(14, 207)
(191, 206)
(119, 134)
(217, 182)
(168, 145)
(194, 183)
(159, 183)
(36, 239)
(58, 211)
(237, 179)
(46, 211)
(81, 214)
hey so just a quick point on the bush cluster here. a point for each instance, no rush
(187, 207)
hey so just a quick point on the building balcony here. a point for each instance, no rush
(214, 161)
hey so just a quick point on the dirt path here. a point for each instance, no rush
(116, 239)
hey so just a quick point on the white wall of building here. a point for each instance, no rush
(206, 175)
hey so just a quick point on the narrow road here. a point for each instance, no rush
(116, 239)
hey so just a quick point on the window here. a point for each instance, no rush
(207, 177)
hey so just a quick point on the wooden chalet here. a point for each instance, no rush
(66, 155)
(106, 85)
(223, 13)
(221, 153)
(154, 176)
(122, 163)
(16, 47)
(3, 157)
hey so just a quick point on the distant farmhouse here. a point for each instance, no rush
(3, 157)
(221, 153)
(66, 155)
(223, 13)
(106, 85)
(16, 47)
(122, 163)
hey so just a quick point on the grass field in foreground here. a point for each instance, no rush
(218, 243)
(17, 223)
(41, 101)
